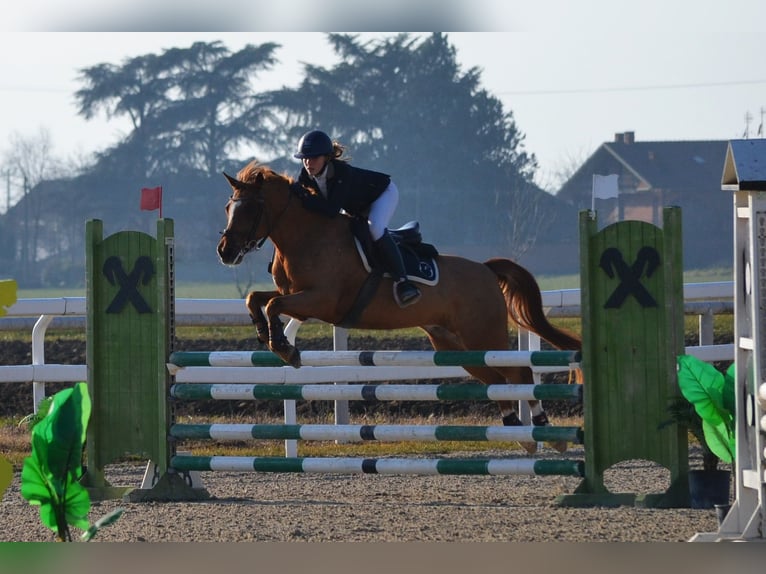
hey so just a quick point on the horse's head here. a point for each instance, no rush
(259, 200)
(244, 214)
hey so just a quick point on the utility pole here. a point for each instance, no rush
(748, 118)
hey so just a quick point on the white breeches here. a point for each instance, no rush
(381, 211)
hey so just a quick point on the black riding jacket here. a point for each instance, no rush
(350, 188)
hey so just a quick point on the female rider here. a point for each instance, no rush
(359, 192)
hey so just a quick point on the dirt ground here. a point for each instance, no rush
(285, 507)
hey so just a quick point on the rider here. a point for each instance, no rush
(358, 192)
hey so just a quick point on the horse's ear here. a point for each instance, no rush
(243, 185)
(235, 183)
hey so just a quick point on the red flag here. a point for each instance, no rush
(151, 199)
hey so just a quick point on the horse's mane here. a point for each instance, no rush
(251, 171)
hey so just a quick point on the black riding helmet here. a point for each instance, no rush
(314, 144)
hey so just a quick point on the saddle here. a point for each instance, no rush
(419, 257)
(419, 262)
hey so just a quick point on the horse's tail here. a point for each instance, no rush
(525, 304)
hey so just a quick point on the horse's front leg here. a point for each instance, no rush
(300, 305)
(255, 301)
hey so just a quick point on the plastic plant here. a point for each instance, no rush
(50, 476)
(711, 393)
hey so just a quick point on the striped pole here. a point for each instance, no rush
(422, 466)
(382, 392)
(379, 358)
(383, 433)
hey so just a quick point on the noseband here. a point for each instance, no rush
(251, 242)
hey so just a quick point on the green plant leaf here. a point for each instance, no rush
(66, 432)
(719, 440)
(703, 386)
(50, 476)
(729, 402)
(42, 411)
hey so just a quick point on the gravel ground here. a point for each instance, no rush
(268, 507)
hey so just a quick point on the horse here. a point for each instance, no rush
(318, 274)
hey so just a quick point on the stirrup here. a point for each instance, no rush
(405, 293)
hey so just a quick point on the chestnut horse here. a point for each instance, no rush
(318, 274)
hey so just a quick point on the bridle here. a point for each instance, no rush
(251, 242)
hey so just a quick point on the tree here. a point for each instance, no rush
(28, 162)
(403, 105)
(189, 107)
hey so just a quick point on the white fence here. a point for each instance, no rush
(704, 300)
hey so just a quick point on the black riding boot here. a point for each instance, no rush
(405, 291)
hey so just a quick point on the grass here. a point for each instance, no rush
(14, 441)
(723, 325)
(228, 290)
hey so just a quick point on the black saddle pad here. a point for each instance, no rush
(419, 258)
(420, 266)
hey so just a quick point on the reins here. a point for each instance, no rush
(251, 243)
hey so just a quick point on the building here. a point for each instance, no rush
(656, 174)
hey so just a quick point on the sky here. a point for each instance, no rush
(572, 73)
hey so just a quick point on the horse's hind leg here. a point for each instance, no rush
(442, 339)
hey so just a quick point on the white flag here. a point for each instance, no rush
(605, 186)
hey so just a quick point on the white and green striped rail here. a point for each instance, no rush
(382, 433)
(419, 466)
(379, 392)
(379, 358)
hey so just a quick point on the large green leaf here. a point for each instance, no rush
(704, 387)
(50, 475)
(729, 402)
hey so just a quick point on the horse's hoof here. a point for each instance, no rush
(530, 447)
(512, 420)
(285, 351)
(290, 356)
(541, 420)
(293, 358)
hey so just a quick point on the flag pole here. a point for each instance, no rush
(593, 194)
